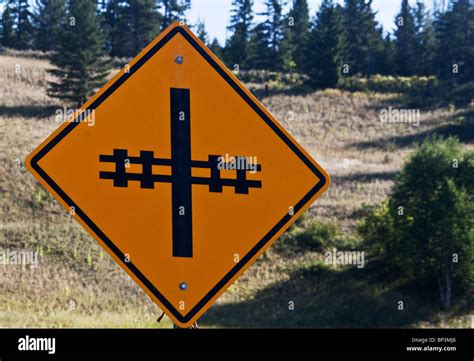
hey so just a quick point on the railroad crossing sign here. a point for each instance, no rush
(178, 171)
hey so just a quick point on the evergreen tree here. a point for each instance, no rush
(174, 10)
(112, 24)
(24, 28)
(216, 48)
(273, 30)
(131, 25)
(327, 47)
(299, 27)
(144, 23)
(201, 32)
(8, 22)
(455, 32)
(425, 41)
(440, 6)
(258, 49)
(50, 16)
(386, 56)
(287, 44)
(405, 40)
(79, 60)
(362, 36)
(236, 51)
(24, 31)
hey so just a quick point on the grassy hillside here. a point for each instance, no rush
(76, 284)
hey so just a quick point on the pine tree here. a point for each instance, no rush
(201, 32)
(24, 27)
(440, 6)
(236, 51)
(258, 49)
(144, 23)
(455, 32)
(273, 30)
(174, 10)
(8, 22)
(23, 31)
(425, 41)
(362, 36)
(328, 46)
(49, 19)
(386, 56)
(287, 44)
(216, 48)
(112, 25)
(79, 60)
(299, 27)
(405, 40)
(131, 25)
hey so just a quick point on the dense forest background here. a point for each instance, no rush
(336, 43)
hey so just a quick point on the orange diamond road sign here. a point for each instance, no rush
(179, 172)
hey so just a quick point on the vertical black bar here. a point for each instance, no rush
(120, 179)
(181, 173)
(215, 184)
(146, 160)
(241, 185)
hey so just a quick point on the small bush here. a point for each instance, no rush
(417, 88)
(264, 76)
(317, 236)
(462, 95)
(376, 229)
(415, 85)
(287, 238)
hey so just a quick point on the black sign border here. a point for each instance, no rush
(244, 260)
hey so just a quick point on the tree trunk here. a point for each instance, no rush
(448, 297)
(445, 290)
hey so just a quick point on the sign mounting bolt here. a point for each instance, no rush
(179, 59)
(183, 286)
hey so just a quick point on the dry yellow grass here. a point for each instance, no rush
(23, 81)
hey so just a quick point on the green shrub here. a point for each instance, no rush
(313, 235)
(317, 236)
(463, 94)
(286, 241)
(418, 88)
(465, 172)
(426, 229)
(272, 77)
(376, 229)
(391, 84)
